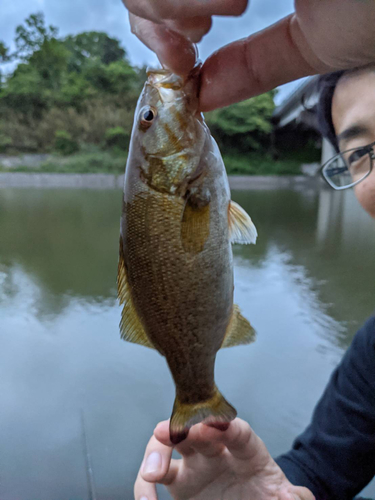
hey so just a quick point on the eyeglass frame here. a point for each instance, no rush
(370, 152)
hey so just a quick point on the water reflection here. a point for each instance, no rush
(306, 286)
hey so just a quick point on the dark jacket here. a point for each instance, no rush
(335, 455)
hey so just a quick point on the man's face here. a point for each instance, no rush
(353, 116)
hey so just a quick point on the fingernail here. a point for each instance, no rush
(143, 498)
(153, 463)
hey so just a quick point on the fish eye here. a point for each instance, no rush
(147, 116)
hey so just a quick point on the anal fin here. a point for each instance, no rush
(241, 227)
(130, 326)
(239, 330)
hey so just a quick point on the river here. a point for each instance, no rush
(307, 286)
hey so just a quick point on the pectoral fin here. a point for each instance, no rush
(241, 227)
(130, 325)
(239, 330)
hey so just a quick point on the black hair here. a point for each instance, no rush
(326, 88)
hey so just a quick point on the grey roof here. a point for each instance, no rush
(293, 107)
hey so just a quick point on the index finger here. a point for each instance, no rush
(272, 57)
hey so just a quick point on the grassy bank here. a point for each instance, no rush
(113, 162)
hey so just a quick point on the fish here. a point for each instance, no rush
(175, 269)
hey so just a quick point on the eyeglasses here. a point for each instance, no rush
(348, 168)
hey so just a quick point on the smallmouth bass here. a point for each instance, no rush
(175, 273)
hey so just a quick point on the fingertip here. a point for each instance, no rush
(239, 8)
(173, 50)
(220, 426)
(164, 424)
(161, 433)
(238, 432)
(204, 433)
(193, 28)
(152, 477)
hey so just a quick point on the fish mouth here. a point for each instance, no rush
(164, 78)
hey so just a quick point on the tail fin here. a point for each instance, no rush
(215, 411)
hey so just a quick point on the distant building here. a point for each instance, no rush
(295, 117)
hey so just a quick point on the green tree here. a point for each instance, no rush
(75, 91)
(122, 77)
(103, 64)
(51, 62)
(4, 53)
(117, 80)
(22, 91)
(32, 35)
(243, 126)
(36, 81)
(35, 84)
(85, 86)
(93, 46)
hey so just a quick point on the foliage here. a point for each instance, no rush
(82, 84)
(5, 143)
(93, 46)
(117, 137)
(35, 84)
(82, 90)
(29, 133)
(244, 126)
(91, 160)
(70, 71)
(117, 78)
(4, 53)
(31, 36)
(64, 143)
(256, 164)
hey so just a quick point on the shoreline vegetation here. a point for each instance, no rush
(94, 160)
(68, 105)
(113, 181)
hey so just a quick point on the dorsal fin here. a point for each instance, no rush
(130, 326)
(239, 330)
(241, 227)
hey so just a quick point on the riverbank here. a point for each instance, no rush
(109, 181)
(93, 160)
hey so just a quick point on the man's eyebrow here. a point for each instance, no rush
(352, 132)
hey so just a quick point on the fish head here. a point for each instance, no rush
(169, 132)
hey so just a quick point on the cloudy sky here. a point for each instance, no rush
(75, 16)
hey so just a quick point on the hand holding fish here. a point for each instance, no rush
(215, 465)
(318, 38)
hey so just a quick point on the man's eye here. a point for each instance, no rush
(357, 155)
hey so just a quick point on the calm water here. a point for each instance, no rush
(306, 286)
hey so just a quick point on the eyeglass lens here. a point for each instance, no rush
(348, 168)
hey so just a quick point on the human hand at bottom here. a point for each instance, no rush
(215, 465)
